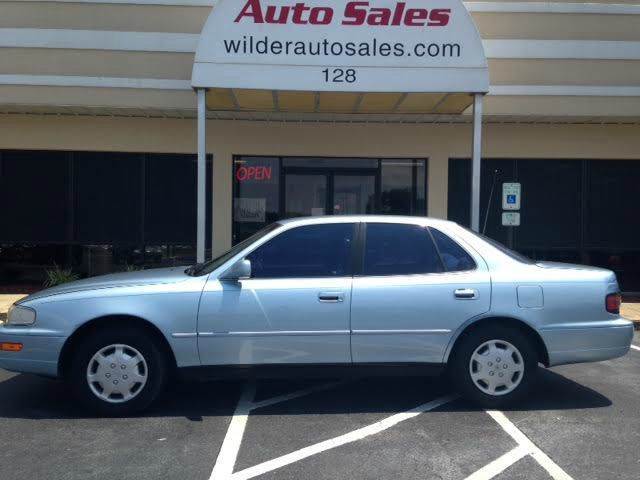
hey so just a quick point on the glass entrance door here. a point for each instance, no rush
(329, 193)
(267, 189)
(354, 194)
(305, 195)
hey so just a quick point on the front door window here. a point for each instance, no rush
(305, 252)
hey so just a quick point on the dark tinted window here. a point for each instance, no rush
(311, 251)
(453, 256)
(171, 198)
(34, 199)
(396, 249)
(611, 207)
(108, 200)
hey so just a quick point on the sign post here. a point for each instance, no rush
(202, 171)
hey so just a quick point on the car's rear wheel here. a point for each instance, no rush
(117, 372)
(494, 366)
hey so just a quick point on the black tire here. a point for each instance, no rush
(140, 340)
(460, 371)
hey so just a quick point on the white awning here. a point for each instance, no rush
(380, 56)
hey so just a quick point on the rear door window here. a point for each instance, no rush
(399, 249)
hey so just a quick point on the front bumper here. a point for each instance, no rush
(39, 354)
(587, 341)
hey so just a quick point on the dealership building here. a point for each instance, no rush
(157, 132)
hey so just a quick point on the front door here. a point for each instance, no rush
(416, 288)
(293, 310)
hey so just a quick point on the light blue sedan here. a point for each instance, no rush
(364, 294)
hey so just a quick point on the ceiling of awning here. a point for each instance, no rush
(252, 100)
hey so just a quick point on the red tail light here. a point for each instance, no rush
(613, 302)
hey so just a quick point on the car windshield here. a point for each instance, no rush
(507, 251)
(208, 267)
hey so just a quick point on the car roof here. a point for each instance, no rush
(401, 219)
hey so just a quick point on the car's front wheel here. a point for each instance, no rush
(117, 372)
(494, 366)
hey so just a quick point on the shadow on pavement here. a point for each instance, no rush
(31, 397)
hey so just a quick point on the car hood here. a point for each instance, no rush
(141, 277)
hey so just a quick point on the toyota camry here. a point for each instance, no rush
(366, 294)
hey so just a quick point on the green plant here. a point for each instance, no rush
(58, 276)
(132, 268)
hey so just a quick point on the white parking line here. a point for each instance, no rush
(353, 436)
(500, 464)
(231, 444)
(521, 439)
(223, 468)
(635, 347)
(225, 463)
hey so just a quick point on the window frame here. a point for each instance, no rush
(353, 256)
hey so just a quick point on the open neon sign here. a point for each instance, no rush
(244, 174)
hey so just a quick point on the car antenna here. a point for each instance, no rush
(486, 214)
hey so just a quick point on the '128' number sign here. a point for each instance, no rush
(339, 75)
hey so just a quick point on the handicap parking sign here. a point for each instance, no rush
(511, 196)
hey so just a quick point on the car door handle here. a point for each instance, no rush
(331, 297)
(465, 293)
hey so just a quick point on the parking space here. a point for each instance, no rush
(582, 422)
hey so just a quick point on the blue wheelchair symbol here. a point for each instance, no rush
(511, 199)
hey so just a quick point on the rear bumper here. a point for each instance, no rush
(587, 342)
(39, 352)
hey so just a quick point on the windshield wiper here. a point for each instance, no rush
(194, 269)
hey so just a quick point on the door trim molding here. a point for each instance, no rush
(272, 333)
(439, 331)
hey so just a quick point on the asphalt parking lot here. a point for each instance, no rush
(583, 422)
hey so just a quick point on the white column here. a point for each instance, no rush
(202, 174)
(476, 155)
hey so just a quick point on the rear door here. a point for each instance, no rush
(416, 287)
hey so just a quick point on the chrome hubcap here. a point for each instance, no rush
(496, 367)
(117, 373)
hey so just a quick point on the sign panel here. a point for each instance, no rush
(337, 45)
(511, 219)
(253, 173)
(511, 196)
(250, 209)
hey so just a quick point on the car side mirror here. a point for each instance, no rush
(240, 270)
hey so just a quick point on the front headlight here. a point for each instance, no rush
(19, 315)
